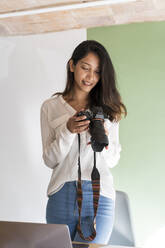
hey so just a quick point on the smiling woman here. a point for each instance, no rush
(86, 72)
(90, 83)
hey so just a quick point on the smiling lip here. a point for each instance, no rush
(86, 83)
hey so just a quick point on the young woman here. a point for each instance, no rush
(90, 82)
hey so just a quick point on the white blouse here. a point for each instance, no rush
(60, 148)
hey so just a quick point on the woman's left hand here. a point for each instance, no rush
(107, 133)
(106, 130)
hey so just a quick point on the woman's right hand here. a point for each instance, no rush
(76, 125)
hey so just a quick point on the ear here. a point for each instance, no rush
(71, 65)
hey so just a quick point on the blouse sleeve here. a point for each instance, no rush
(56, 138)
(112, 155)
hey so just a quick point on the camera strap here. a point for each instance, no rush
(95, 177)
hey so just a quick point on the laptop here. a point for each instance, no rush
(34, 235)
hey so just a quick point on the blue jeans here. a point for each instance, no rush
(62, 209)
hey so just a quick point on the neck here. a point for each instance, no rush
(78, 101)
(79, 97)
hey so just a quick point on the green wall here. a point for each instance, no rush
(138, 55)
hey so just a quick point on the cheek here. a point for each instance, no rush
(80, 74)
(77, 77)
(97, 79)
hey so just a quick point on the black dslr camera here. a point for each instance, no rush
(96, 127)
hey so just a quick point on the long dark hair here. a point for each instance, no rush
(105, 92)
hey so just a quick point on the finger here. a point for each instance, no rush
(80, 118)
(83, 123)
(81, 129)
(106, 131)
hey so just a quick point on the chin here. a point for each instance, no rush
(86, 90)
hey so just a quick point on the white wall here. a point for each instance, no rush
(32, 68)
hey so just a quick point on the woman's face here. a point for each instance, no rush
(86, 72)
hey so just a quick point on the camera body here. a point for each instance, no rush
(96, 127)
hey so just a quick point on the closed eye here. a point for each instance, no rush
(84, 68)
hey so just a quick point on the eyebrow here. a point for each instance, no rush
(89, 64)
